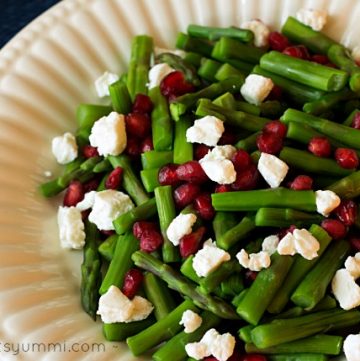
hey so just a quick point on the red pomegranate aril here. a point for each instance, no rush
(227, 137)
(167, 175)
(185, 194)
(250, 276)
(138, 124)
(320, 59)
(356, 121)
(74, 194)
(203, 206)
(298, 51)
(107, 233)
(132, 282)
(174, 85)
(150, 241)
(347, 212)
(278, 41)
(141, 227)
(246, 179)
(142, 104)
(253, 357)
(346, 158)
(276, 127)
(91, 185)
(335, 228)
(284, 231)
(355, 243)
(302, 183)
(147, 144)
(241, 160)
(275, 93)
(269, 143)
(320, 146)
(114, 179)
(222, 188)
(191, 172)
(201, 150)
(133, 147)
(89, 151)
(190, 243)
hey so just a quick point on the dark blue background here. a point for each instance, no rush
(15, 14)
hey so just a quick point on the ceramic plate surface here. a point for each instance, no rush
(45, 71)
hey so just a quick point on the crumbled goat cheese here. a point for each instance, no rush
(256, 88)
(191, 321)
(220, 152)
(180, 227)
(108, 134)
(286, 245)
(108, 205)
(272, 169)
(114, 307)
(64, 148)
(352, 264)
(157, 73)
(260, 30)
(209, 258)
(326, 202)
(345, 289)
(352, 347)
(178, 52)
(270, 244)
(254, 261)
(71, 228)
(316, 19)
(102, 83)
(197, 350)
(87, 202)
(207, 130)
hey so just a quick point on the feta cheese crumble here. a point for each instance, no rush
(286, 245)
(108, 134)
(179, 227)
(254, 261)
(352, 264)
(108, 205)
(326, 202)
(270, 244)
(260, 30)
(272, 169)
(191, 321)
(316, 19)
(64, 148)
(102, 83)
(114, 307)
(87, 202)
(207, 130)
(209, 258)
(157, 73)
(71, 228)
(256, 88)
(345, 289)
(352, 347)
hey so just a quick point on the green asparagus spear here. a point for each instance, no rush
(298, 357)
(224, 221)
(107, 247)
(226, 71)
(188, 43)
(214, 33)
(208, 69)
(183, 151)
(102, 166)
(156, 159)
(248, 143)
(347, 187)
(149, 178)
(88, 114)
(120, 97)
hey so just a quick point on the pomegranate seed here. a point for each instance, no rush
(320, 59)
(146, 144)
(89, 151)
(278, 41)
(85, 214)
(132, 282)
(174, 85)
(275, 93)
(167, 175)
(190, 243)
(114, 179)
(241, 160)
(253, 357)
(335, 228)
(320, 146)
(132, 147)
(356, 121)
(107, 233)
(222, 188)
(191, 172)
(150, 241)
(284, 231)
(298, 51)
(346, 158)
(246, 179)
(355, 243)
(74, 194)
(91, 185)
(138, 124)
(141, 227)
(302, 183)
(142, 104)
(250, 277)
(201, 150)
(276, 127)
(269, 143)
(185, 194)
(227, 137)
(347, 212)
(203, 206)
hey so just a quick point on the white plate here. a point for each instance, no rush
(45, 71)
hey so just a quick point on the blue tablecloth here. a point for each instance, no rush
(15, 14)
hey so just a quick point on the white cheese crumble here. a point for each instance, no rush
(102, 83)
(209, 258)
(87, 202)
(316, 19)
(179, 227)
(108, 134)
(286, 245)
(207, 130)
(64, 148)
(177, 52)
(256, 88)
(270, 244)
(345, 289)
(108, 205)
(352, 264)
(71, 228)
(326, 202)
(260, 30)
(157, 73)
(191, 321)
(272, 169)
(220, 152)
(254, 261)
(352, 347)
(114, 307)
